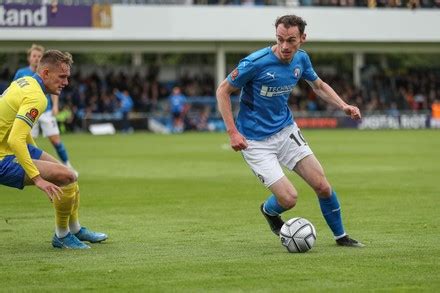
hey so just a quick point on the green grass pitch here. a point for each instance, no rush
(182, 214)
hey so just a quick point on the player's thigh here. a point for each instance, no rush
(12, 173)
(312, 172)
(263, 161)
(292, 147)
(53, 172)
(49, 158)
(49, 125)
(50, 169)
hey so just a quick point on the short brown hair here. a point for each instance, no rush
(291, 20)
(35, 47)
(54, 57)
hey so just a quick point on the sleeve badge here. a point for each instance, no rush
(32, 114)
(234, 74)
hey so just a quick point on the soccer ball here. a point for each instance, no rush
(298, 235)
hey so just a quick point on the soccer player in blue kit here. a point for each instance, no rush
(177, 108)
(265, 131)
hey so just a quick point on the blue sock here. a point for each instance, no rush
(272, 207)
(331, 210)
(61, 151)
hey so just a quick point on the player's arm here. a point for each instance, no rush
(30, 140)
(27, 114)
(326, 92)
(224, 91)
(17, 143)
(55, 104)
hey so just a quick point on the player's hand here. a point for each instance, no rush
(238, 142)
(50, 189)
(353, 112)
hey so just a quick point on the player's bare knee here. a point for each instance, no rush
(289, 200)
(71, 177)
(66, 177)
(323, 189)
(291, 203)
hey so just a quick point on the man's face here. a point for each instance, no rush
(34, 57)
(55, 78)
(288, 41)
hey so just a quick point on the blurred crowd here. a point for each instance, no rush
(118, 94)
(412, 90)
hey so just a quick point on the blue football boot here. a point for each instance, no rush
(85, 234)
(69, 241)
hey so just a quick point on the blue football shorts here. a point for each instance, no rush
(12, 173)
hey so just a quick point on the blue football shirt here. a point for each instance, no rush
(177, 103)
(22, 72)
(265, 83)
(27, 71)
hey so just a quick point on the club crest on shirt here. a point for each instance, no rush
(296, 72)
(32, 114)
(234, 74)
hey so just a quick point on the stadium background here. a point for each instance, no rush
(384, 60)
(182, 210)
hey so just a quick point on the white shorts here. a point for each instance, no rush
(265, 157)
(48, 124)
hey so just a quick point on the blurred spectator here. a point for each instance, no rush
(393, 111)
(177, 109)
(124, 109)
(413, 4)
(202, 119)
(420, 102)
(65, 119)
(108, 103)
(435, 114)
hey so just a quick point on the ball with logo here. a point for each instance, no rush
(298, 235)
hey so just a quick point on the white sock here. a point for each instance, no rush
(340, 236)
(61, 232)
(74, 227)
